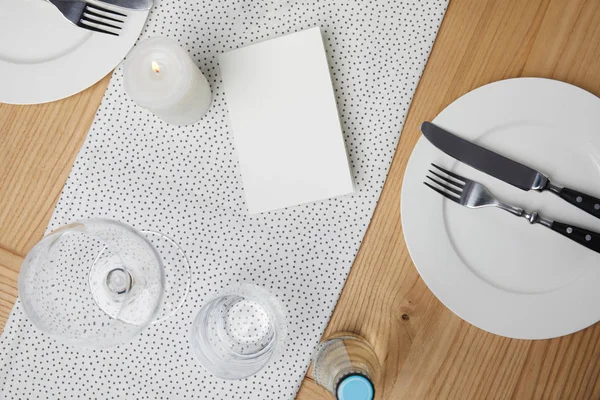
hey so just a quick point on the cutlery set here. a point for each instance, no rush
(472, 194)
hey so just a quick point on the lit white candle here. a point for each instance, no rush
(161, 77)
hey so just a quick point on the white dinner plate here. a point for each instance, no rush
(44, 58)
(493, 269)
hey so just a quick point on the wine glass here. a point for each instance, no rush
(239, 332)
(98, 282)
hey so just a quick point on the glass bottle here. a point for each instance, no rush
(347, 366)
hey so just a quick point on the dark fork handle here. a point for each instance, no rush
(586, 238)
(587, 203)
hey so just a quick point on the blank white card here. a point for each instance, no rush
(285, 122)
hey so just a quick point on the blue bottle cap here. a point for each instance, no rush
(355, 387)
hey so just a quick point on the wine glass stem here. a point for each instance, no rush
(119, 281)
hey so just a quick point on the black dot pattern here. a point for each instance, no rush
(185, 182)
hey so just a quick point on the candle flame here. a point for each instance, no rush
(155, 67)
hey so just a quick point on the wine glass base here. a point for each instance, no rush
(178, 275)
(110, 282)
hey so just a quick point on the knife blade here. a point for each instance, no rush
(131, 4)
(503, 168)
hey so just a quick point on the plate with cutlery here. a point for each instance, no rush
(51, 49)
(501, 207)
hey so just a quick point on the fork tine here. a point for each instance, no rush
(452, 174)
(91, 11)
(93, 28)
(101, 23)
(446, 195)
(453, 190)
(455, 183)
(106, 10)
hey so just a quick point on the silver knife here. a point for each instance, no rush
(505, 169)
(131, 4)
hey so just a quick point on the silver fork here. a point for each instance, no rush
(473, 194)
(91, 16)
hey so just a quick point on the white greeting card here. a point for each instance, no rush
(285, 122)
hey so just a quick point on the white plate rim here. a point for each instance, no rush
(73, 72)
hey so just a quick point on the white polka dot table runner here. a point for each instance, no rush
(185, 182)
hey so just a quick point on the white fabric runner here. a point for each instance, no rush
(185, 183)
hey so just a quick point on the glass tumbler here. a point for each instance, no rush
(236, 334)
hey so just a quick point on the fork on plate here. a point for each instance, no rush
(91, 16)
(473, 194)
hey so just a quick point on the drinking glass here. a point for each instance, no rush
(236, 334)
(99, 282)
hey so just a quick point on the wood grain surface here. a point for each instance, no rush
(426, 351)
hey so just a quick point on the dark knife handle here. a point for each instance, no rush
(587, 203)
(589, 239)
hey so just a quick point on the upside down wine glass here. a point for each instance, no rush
(98, 282)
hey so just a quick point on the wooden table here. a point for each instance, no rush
(427, 352)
